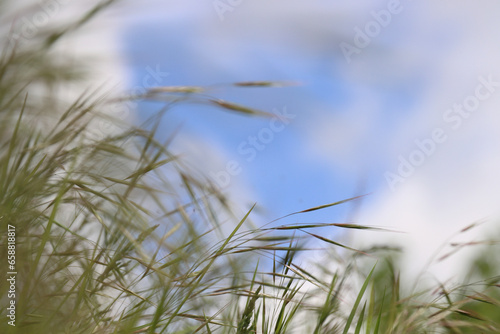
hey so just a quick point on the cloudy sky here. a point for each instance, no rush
(374, 96)
(398, 99)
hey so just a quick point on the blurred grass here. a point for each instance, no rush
(114, 233)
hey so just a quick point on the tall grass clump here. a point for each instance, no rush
(115, 234)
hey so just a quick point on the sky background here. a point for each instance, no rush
(352, 120)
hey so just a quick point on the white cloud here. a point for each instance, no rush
(459, 184)
(205, 158)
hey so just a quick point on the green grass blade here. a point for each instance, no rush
(358, 300)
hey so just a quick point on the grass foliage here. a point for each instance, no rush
(114, 233)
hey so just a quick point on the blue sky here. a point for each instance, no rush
(286, 176)
(354, 120)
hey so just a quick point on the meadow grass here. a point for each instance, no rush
(115, 234)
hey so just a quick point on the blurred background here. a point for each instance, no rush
(371, 79)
